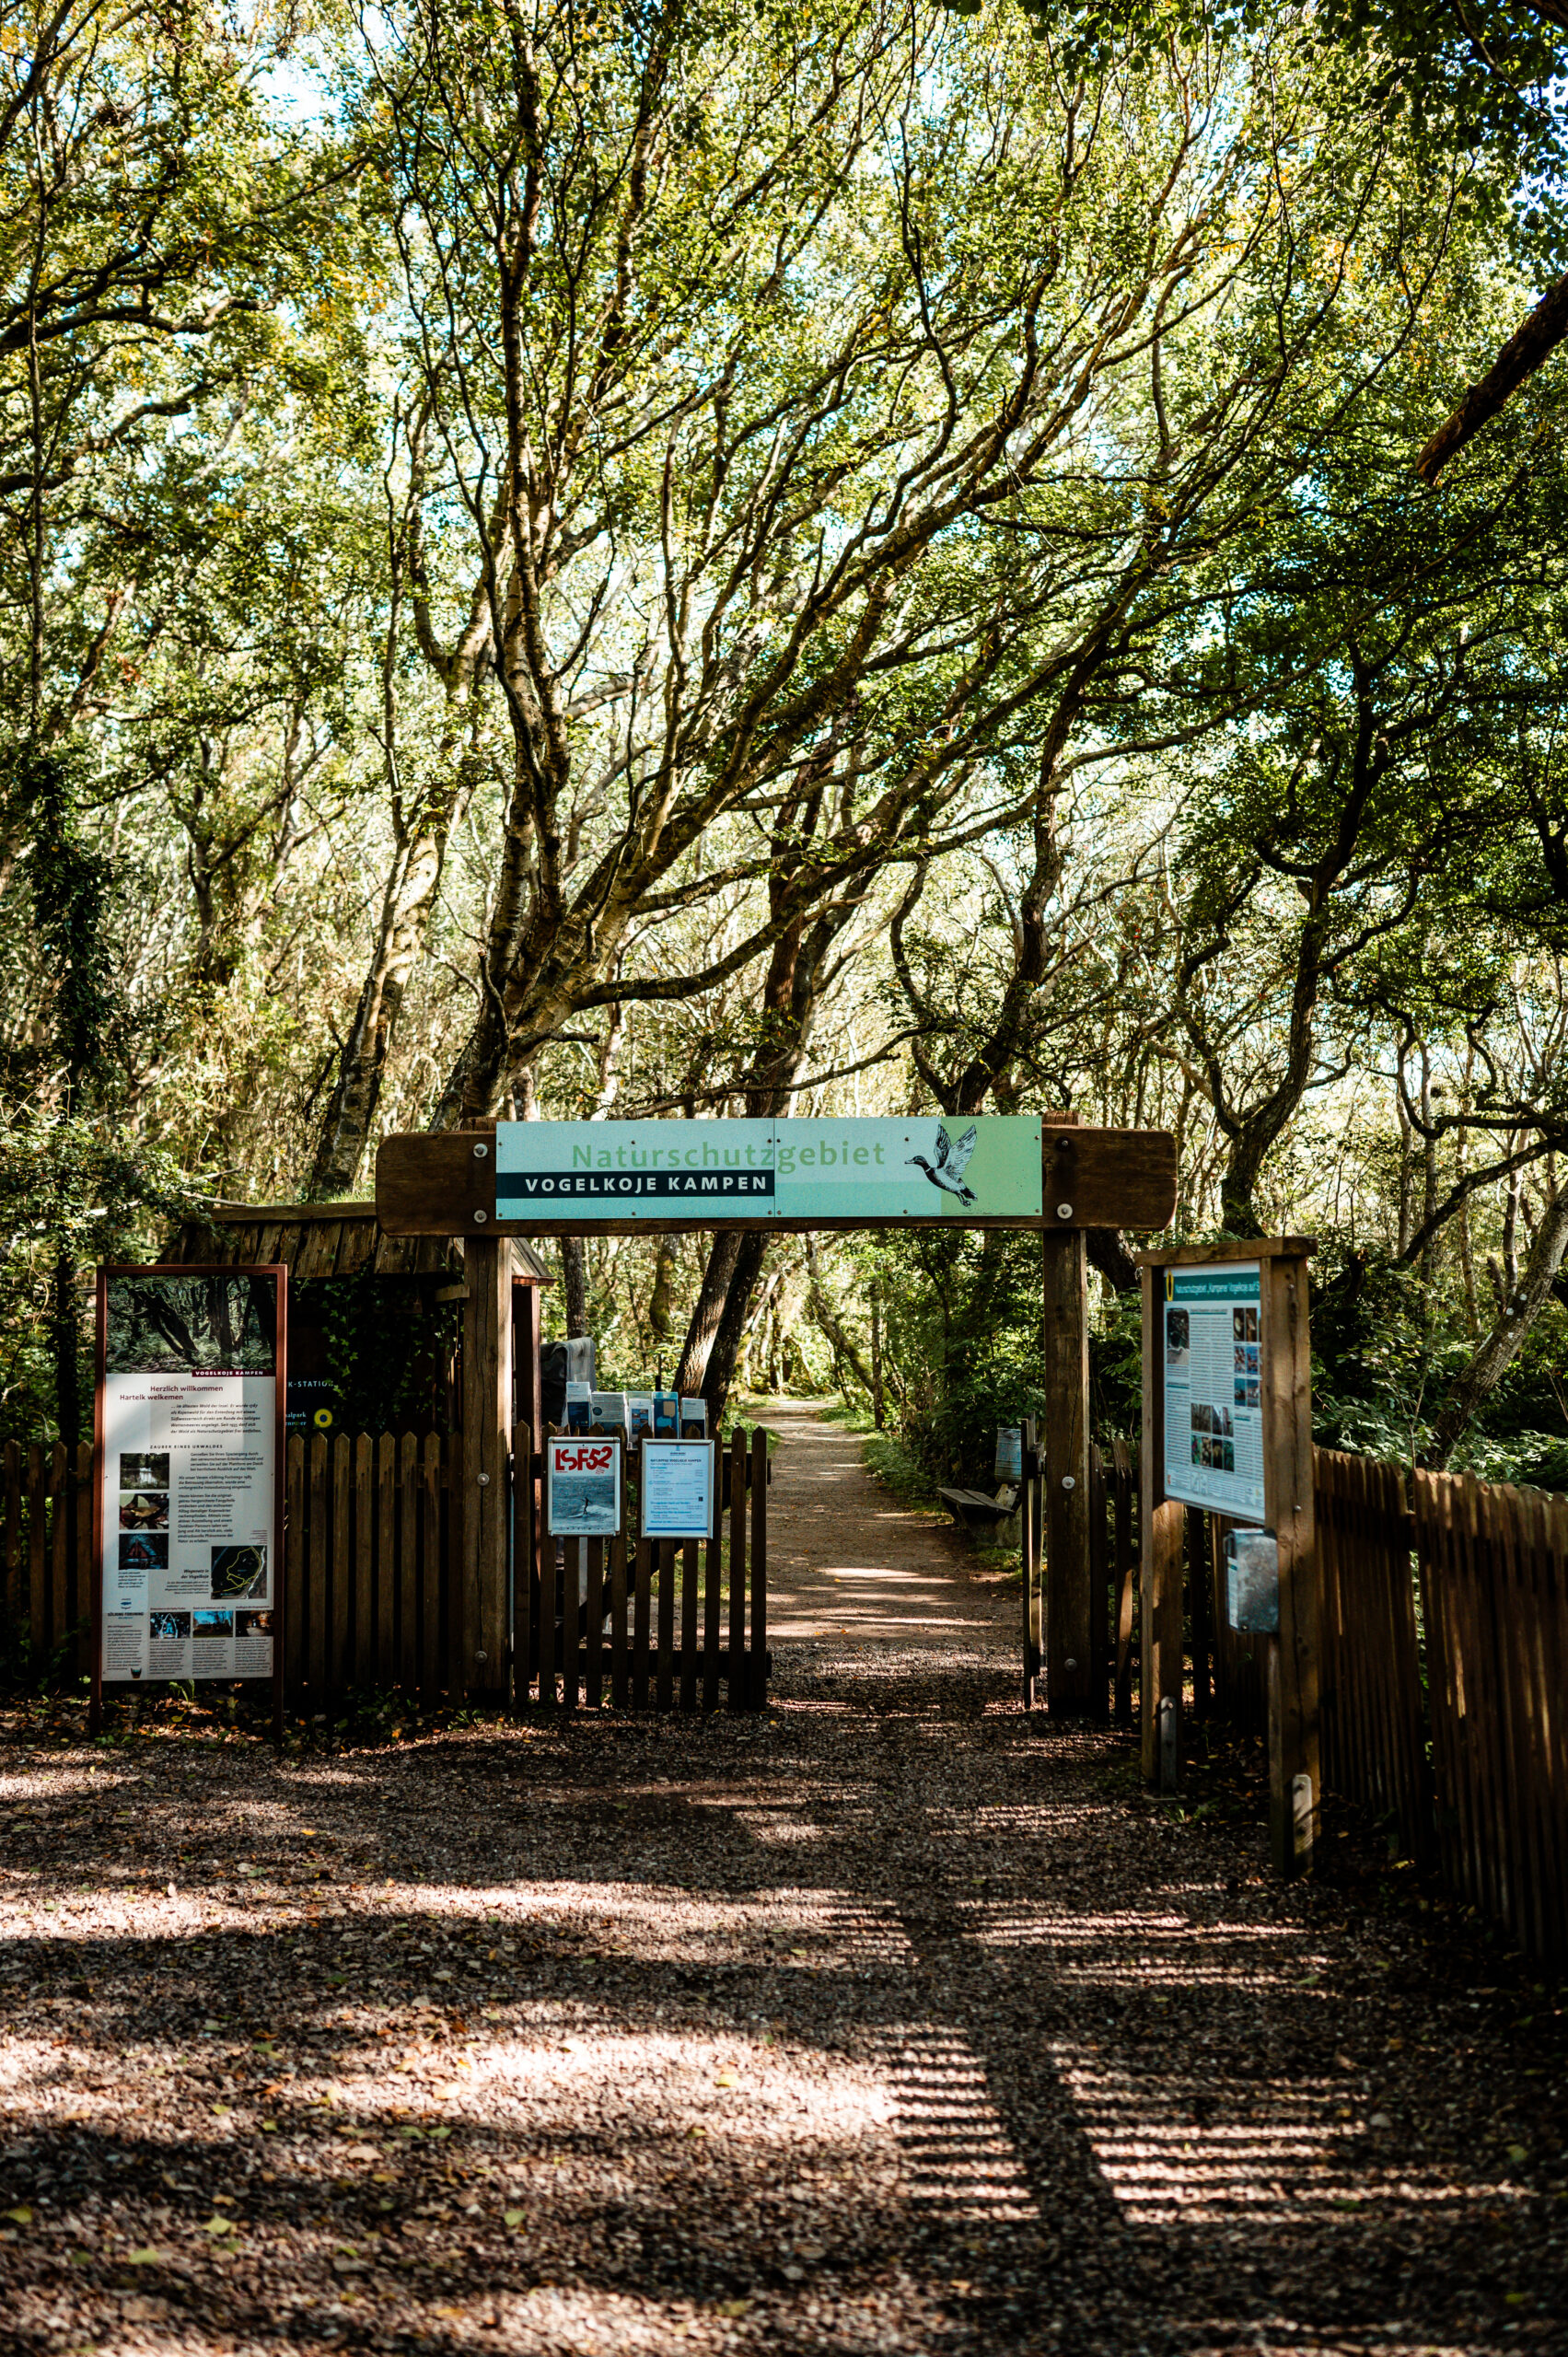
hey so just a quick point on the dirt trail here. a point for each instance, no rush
(845, 1559)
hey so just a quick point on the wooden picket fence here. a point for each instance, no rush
(372, 1535)
(1444, 1668)
(1375, 1735)
(1443, 1672)
(1493, 1568)
(46, 1550)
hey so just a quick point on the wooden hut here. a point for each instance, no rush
(421, 1274)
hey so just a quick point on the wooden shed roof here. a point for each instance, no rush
(332, 1241)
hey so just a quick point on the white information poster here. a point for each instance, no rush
(1214, 1416)
(677, 1489)
(188, 1471)
(582, 1486)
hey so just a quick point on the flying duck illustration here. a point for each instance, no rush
(952, 1161)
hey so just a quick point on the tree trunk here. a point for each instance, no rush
(1428, 1190)
(1497, 1353)
(703, 1323)
(406, 908)
(574, 1285)
(877, 1404)
(730, 1330)
(1407, 1170)
(661, 1301)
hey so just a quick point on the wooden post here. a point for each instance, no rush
(1067, 1601)
(1163, 1528)
(479, 1601)
(1294, 1759)
(758, 1692)
(1069, 1604)
(1200, 1587)
(1029, 1522)
(1125, 1585)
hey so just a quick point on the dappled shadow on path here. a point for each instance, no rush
(893, 2021)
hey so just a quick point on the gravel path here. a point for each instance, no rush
(845, 1559)
(890, 2021)
(893, 2021)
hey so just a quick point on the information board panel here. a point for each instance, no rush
(578, 1172)
(1213, 1382)
(189, 1411)
(678, 1489)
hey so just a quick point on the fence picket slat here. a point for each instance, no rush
(620, 1689)
(60, 1488)
(11, 1539)
(82, 1583)
(1521, 1622)
(571, 1624)
(316, 1658)
(664, 1689)
(386, 1559)
(547, 1640)
(363, 1665)
(736, 1698)
(689, 1591)
(593, 1660)
(342, 1574)
(296, 1572)
(642, 1616)
(408, 1563)
(712, 1603)
(1121, 1545)
(520, 1655)
(756, 1683)
(435, 1552)
(38, 1549)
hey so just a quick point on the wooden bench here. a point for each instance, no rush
(977, 1512)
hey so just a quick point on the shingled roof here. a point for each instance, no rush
(331, 1240)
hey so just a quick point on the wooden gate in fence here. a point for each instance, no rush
(372, 1602)
(655, 1622)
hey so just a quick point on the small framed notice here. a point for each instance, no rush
(678, 1489)
(582, 1486)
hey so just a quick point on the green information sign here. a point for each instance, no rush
(935, 1168)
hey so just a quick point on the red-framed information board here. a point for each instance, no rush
(187, 1476)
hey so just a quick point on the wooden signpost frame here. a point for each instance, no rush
(277, 1271)
(1286, 1399)
(444, 1184)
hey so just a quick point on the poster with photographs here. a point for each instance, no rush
(188, 1413)
(1214, 1416)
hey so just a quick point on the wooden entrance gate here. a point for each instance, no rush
(447, 1185)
